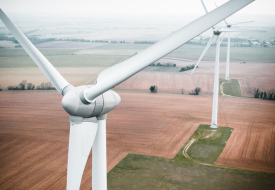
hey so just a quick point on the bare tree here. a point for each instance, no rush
(22, 85)
(256, 93)
(182, 91)
(30, 86)
(154, 89)
(196, 91)
(261, 94)
(264, 97)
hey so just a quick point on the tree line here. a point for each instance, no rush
(163, 64)
(24, 85)
(264, 95)
(188, 67)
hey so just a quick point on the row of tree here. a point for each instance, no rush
(100, 41)
(144, 42)
(163, 64)
(121, 42)
(29, 86)
(196, 91)
(264, 95)
(189, 67)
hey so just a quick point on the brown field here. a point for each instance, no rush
(34, 134)
(250, 76)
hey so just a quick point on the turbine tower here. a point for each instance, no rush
(88, 105)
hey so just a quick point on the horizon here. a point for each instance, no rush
(129, 7)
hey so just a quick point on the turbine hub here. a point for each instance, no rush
(103, 104)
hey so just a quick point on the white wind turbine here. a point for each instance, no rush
(216, 37)
(228, 25)
(88, 105)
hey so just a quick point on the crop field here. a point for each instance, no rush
(168, 82)
(75, 76)
(193, 52)
(34, 134)
(68, 45)
(249, 75)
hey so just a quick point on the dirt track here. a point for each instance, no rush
(34, 143)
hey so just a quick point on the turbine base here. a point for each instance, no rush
(214, 126)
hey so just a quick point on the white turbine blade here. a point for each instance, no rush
(241, 23)
(99, 173)
(222, 37)
(82, 135)
(204, 6)
(227, 58)
(49, 71)
(239, 30)
(212, 39)
(223, 19)
(116, 74)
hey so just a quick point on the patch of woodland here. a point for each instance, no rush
(265, 95)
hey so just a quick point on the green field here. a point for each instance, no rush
(237, 53)
(255, 54)
(231, 88)
(150, 173)
(17, 58)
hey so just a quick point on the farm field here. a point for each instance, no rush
(74, 75)
(249, 75)
(34, 134)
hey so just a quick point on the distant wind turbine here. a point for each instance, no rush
(228, 25)
(88, 105)
(215, 37)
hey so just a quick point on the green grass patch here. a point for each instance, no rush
(208, 145)
(137, 172)
(231, 88)
(150, 173)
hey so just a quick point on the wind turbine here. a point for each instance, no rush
(216, 37)
(88, 105)
(228, 25)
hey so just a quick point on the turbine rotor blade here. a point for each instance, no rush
(82, 135)
(239, 30)
(236, 23)
(118, 73)
(212, 39)
(45, 66)
(222, 37)
(204, 7)
(223, 19)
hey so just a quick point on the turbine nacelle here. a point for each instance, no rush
(217, 31)
(72, 102)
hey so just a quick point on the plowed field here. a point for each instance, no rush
(35, 129)
(250, 76)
